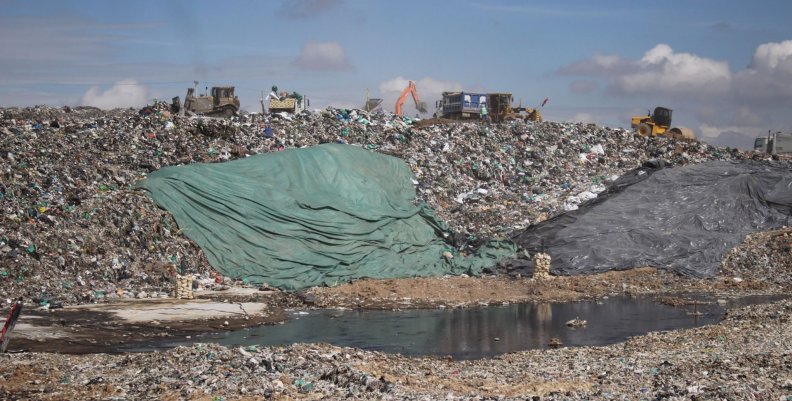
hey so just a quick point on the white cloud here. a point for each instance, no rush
(661, 70)
(774, 56)
(768, 79)
(125, 93)
(324, 56)
(429, 89)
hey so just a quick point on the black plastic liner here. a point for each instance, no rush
(682, 219)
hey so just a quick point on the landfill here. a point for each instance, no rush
(76, 230)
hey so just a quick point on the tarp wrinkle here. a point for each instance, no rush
(323, 215)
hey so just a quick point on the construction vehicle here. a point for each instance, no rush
(659, 123)
(460, 105)
(222, 101)
(411, 90)
(774, 144)
(291, 103)
(500, 109)
(372, 104)
(467, 105)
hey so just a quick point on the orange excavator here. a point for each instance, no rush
(410, 89)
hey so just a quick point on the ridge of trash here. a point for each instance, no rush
(74, 229)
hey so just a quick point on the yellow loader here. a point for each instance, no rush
(659, 123)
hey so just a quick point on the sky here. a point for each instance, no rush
(724, 67)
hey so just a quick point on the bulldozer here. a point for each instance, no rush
(659, 123)
(500, 109)
(222, 102)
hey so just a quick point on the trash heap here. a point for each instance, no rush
(74, 229)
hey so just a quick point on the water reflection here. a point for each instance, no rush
(481, 332)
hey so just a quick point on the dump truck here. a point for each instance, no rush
(774, 144)
(221, 102)
(285, 102)
(467, 105)
(460, 105)
(659, 123)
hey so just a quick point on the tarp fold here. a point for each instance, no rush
(315, 216)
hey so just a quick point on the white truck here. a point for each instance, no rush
(774, 144)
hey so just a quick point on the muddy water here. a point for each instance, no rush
(476, 332)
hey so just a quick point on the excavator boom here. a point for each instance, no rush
(410, 89)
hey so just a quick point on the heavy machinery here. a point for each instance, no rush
(659, 123)
(460, 105)
(500, 109)
(467, 105)
(774, 144)
(222, 101)
(411, 90)
(291, 103)
(372, 104)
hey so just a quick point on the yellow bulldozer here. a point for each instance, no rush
(500, 109)
(659, 123)
(221, 103)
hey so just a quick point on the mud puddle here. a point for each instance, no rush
(480, 332)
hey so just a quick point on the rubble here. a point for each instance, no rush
(744, 357)
(762, 256)
(74, 230)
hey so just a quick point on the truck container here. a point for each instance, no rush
(774, 144)
(460, 105)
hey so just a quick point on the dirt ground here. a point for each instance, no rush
(104, 327)
(761, 264)
(457, 291)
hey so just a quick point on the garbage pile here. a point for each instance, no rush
(762, 256)
(74, 229)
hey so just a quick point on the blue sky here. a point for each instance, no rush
(725, 67)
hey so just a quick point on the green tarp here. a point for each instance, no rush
(315, 216)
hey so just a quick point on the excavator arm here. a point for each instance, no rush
(410, 89)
